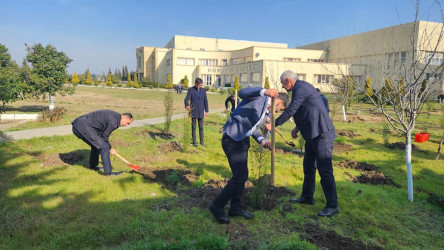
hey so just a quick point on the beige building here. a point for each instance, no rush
(218, 61)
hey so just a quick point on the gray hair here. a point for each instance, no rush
(289, 74)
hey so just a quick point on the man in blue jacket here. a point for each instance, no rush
(94, 129)
(245, 121)
(312, 119)
(196, 101)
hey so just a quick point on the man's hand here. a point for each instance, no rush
(294, 133)
(112, 151)
(188, 108)
(271, 92)
(206, 114)
(266, 143)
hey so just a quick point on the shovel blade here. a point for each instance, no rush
(134, 167)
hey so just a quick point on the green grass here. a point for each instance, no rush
(68, 206)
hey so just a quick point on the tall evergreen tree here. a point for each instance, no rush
(75, 79)
(88, 77)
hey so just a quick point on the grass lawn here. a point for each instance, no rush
(49, 199)
(141, 103)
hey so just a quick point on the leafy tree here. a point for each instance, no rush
(115, 79)
(75, 79)
(344, 90)
(11, 81)
(136, 83)
(88, 78)
(109, 82)
(267, 83)
(128, 80)
(168, 84)
(236, 83)
(48, 71)
(185, 82)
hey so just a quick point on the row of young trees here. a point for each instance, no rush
(42, 74)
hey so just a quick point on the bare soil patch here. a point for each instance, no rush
(401, 146)
(369, 173)
(118, 143)
(359, 118)
(154, 135)
(52, 160)
(339, 148)
(170, 147)
(329, 239)
(347, 133)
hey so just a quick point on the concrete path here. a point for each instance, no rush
(67, 129)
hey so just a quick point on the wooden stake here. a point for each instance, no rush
(272, 141)
(235, 99)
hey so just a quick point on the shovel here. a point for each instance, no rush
(127, 162)
(288, 143)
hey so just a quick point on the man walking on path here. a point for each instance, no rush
(245, 121)
(196, 101)
(95, 128)
(311, 118)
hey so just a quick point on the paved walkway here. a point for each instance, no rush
(67, 129)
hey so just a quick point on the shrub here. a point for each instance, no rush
(207, 88)
(119, 85)
(48, 116)
(222, 92)
(213, 90)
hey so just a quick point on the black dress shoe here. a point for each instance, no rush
(329, 211)
(96, 168)
(219, 214)
(203, 144)
(303, 200)
(245, 214)
(195, 145)
(114, 173)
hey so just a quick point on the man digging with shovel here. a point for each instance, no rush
(95, 128)
(245, 121)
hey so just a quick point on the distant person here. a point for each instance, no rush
(312, 119)
(179, 88)
(231, 99)
(250, 85)
(324, 100)
(196, 101)
(245, 121)
(94, 129)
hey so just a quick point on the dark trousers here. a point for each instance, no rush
(201, 130)
(237, 154)
(318, 151)
(94, 154)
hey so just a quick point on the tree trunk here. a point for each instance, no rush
(343, 113)
(235, 98)
(408, 162)
(440, 145)
(51, 103)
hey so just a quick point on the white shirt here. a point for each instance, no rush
(261, 121)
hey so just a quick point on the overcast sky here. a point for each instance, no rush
(105, 34)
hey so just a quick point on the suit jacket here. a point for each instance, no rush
(197, 103)
(248, 112)
(97, 126)
(308, 110)
(325, 101)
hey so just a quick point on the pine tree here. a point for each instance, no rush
(129, 80)
(185, 82)
(236, 83)
(168, 84)
(136, 83)
(75, 79)
(368, 87)
(109, 82)
(267, 83)
(88, 78)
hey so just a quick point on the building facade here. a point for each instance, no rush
(218, 61)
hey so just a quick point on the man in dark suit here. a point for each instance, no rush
(196, 101)
(231, 99)
(311, 118)
(95, 128)
(245, 121)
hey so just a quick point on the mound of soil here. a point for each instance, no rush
(401, 146)
(369, 173)
(270, 200)
(347, 133)
(330, 239)
(339, 148)
(72, 158)
(50, 160)
(364, 166)
(155, 135)
(170, 147)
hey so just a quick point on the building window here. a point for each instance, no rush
(188, 48)
(206, 80)
(139, 61)
(324, 79)
(403, 57)
(435, 59)
(203, 49)
(224, 62)
(208, 62)
(185, 61)
(437, 77)
(292, 59)
(243, 78)
(301, 77)
(395, 59)
(237, 60)
(256, 77)
(168, 62)
(389, 60)
(315, 60)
